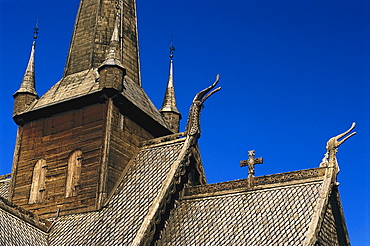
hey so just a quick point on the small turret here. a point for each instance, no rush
(169, 109)
(26, 94)
(111, 71)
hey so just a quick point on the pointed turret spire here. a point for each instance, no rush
(27, 92)
(111, 71)
(113, 57)
(169, 109)
(28, 82)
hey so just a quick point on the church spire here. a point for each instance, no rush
(93, 30)
(27, 92)
(169, 109)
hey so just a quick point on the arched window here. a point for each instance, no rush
(74, 173)
(38, 182)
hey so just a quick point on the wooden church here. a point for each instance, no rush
(96, 163)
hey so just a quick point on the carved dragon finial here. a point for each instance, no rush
(193, 124)
(332, 145)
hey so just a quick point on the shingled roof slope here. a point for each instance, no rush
(86, 82)
(119, 222)
(70, 87)
(329, 230)
(21, 227)
(272, 216)
(4, 187)
(15, 231)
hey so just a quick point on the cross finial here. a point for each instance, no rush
(251, 162)
(36, 29)
(118, 7)
(172, 49)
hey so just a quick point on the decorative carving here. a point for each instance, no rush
(250, 163)
(193, 124)
(165, 205)
(332, 145)
(258, 181)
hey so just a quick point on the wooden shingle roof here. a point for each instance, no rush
(21, 227)
(4, 186)
(294, 208)
(85, 83)
(119, 222)
(70, 87)
(280, 209)
(266, 216)
(16, 231)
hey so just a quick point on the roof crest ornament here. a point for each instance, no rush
(172, 49)
(36, 29)
(332, 145)
(193, 124)
(251, 162)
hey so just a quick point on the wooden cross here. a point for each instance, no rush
(251, 162)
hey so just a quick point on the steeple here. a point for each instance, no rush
(169, 109)
(26, 94)
(88, 126)
(95, 23)
(103, 62)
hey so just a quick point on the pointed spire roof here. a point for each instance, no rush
(169, 101)
(92, 34)
(113, 57)
(28, 82)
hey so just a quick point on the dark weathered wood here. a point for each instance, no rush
(108, 141)
(125, 136)
(54, 138)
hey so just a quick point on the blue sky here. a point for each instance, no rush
(293, 74)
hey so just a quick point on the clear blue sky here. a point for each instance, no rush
(293, 74)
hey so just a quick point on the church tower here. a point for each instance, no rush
(76, 140)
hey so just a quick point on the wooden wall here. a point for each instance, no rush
(54, 139)
(108, 141)
(125, 136)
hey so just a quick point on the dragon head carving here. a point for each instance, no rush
(332, 147)
(193, 124)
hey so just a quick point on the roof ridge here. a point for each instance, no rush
(163, 140)
(24, 214)
(168, 188)
(260, 182)
(321, 205)
(5, 177)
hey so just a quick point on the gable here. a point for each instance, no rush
(333, 229)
